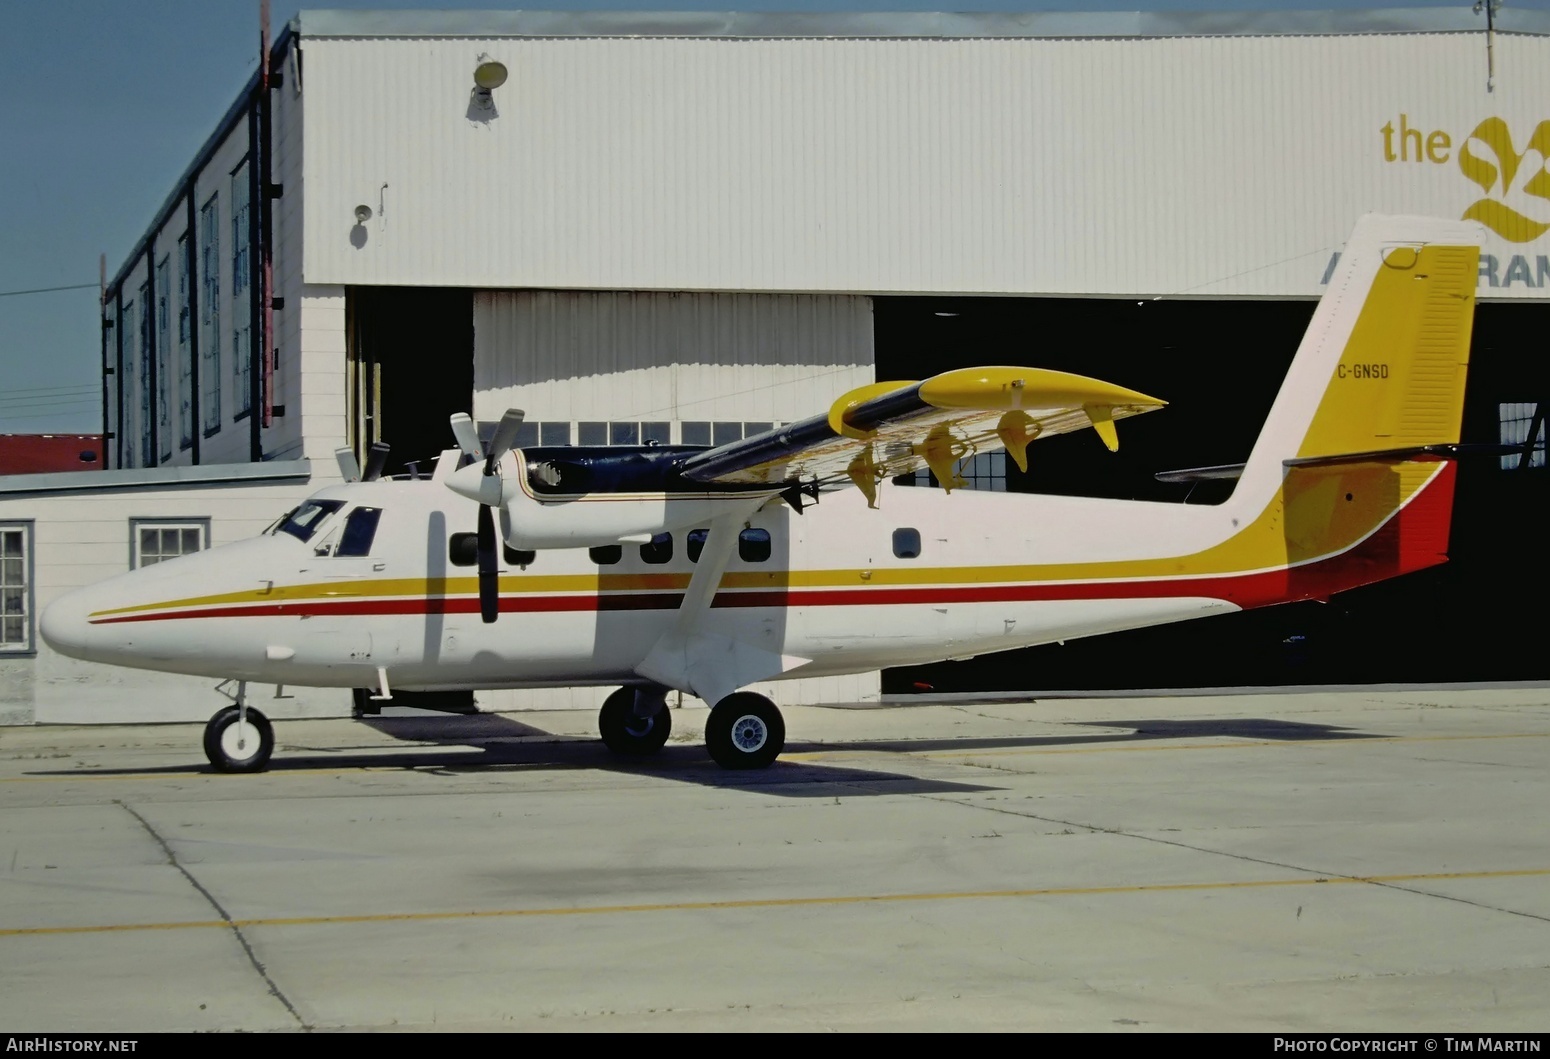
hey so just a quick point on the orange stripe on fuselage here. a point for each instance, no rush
(1412, 540)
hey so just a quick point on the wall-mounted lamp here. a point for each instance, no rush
(488, 76)
(362, 213)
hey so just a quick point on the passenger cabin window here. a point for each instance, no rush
(360, 528)
(753, 545)
(906, 543)
(659, 551)
(607, 554)
(696, 544)
(305, 520)
(463, 549)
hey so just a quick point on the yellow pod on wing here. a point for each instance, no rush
(1006, 388)
(860, 395)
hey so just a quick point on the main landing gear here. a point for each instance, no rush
(635, 721)
(239, 738)
(745, 731)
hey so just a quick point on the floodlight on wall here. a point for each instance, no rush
(488, 76)
(362, 213)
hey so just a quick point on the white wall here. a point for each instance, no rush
(1167, 166)
(647, 356)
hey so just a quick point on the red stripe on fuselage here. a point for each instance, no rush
(1414, 539)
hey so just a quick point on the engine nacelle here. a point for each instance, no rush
(579, 498)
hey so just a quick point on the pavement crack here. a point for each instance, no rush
(258, 965)
(1248, 859)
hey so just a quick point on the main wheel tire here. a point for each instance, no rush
(234, 746)
(629, 735)
(745, 731)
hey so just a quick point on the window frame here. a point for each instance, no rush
(28, 646)
(139, 522)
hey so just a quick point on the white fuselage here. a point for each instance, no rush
(833, 594)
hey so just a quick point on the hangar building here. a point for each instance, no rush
(688, 226)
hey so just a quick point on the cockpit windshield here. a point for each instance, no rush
(305, 520)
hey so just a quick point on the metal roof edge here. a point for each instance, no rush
(153, 477)
(910, 24)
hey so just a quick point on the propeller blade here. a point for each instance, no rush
(376, 459)
(489, 570)
(349, 466)
(505, 434)
(467, 435)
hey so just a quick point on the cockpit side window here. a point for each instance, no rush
(305, 520)
(360, 527)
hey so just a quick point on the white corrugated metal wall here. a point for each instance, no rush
(1203, 166)
(644, 356)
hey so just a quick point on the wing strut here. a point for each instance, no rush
(690, 655)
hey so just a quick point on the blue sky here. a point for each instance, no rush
(103, 103)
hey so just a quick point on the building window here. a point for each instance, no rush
(554, 433)
(15, 587)
(210, 317)
(129, 388)
(185, 361)
(984, 471)
(147, 321)
(1522, 423)
(241, 293)
(163, 361)
(155, 540)
(720, 433)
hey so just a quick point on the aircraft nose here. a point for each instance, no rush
(64, 626)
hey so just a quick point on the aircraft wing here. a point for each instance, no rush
(893, 428)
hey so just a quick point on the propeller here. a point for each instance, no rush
(483, 484)
(376, 459)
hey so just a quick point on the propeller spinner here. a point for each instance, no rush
(480, 480)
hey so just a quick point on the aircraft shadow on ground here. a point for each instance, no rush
(458, 744)
(1253, 728)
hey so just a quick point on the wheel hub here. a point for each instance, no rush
(240, 741)
(749, 733)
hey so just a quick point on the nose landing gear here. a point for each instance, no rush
(239, 738)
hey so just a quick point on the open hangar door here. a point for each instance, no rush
(411, 365)
(1219, 365)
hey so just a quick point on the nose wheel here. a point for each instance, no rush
(745, 731)
(239, 739)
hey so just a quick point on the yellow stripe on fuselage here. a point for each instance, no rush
(1307, 520)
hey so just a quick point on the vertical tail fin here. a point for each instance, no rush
(1383, 362)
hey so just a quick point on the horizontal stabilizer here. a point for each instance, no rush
(1221, 473)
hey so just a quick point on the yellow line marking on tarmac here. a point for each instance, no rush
(773, 902)
(1152, 744)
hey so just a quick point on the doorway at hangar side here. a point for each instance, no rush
(410, 365)
(1219, 365)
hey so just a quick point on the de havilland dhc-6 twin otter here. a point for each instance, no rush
(705, 570)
